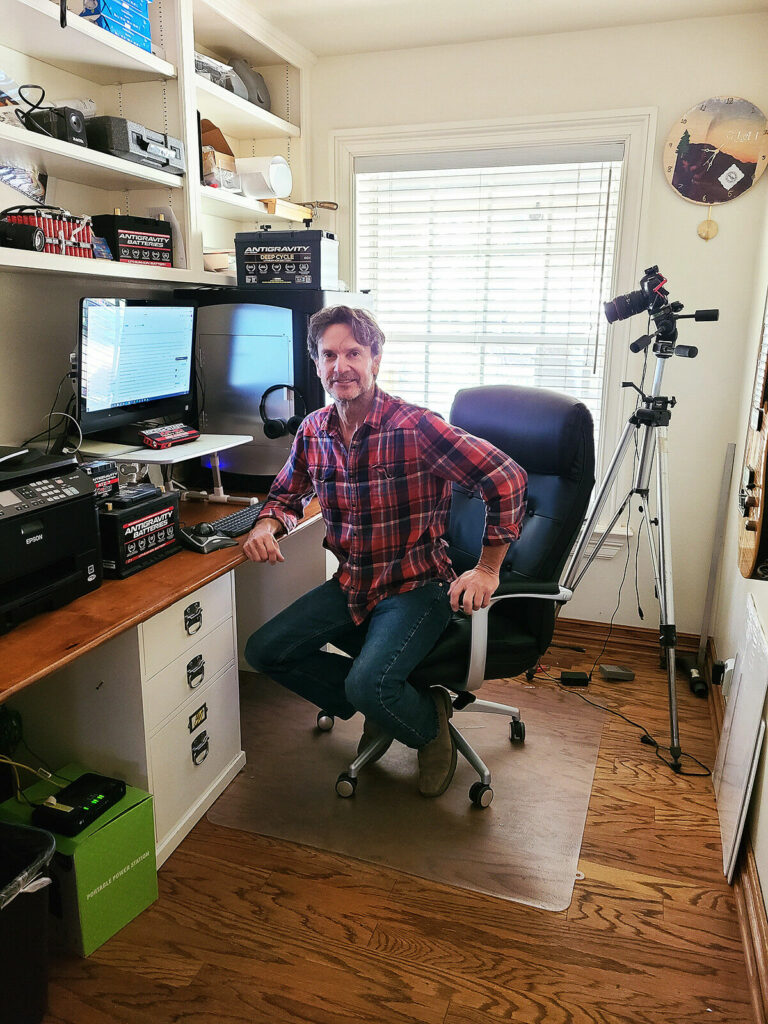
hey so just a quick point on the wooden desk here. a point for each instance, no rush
(54, 639)
(133, 682)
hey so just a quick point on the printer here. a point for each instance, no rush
(49, 534)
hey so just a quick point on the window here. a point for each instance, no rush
(489, 268)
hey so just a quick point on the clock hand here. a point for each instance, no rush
(713, 151)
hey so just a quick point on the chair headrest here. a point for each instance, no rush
(542, 430)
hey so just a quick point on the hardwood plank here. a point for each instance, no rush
(250, 929)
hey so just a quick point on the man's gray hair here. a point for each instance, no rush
(362, 324)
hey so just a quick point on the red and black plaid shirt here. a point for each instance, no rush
(385, 502)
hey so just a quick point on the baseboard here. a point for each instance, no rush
(578, 631)
(753, 920)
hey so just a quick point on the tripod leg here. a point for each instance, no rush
(665, 588)
(572, 568)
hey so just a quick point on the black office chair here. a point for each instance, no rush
(551, 436)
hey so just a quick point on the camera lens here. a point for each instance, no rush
(625, 306)
(76, 121)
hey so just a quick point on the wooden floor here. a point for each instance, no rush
(254, 930)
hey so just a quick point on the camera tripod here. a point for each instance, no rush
(647, 427)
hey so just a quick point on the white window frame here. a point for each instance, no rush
(634, 128)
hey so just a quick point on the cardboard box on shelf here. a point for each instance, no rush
(104, 876)
(219, 260)
(219, 166)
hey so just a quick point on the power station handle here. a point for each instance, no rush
(193, 617)
(195, 672)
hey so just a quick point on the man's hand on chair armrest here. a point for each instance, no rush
(475, 588)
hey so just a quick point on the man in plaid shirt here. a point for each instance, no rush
(382, 471)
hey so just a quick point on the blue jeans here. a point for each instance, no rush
(396, 636)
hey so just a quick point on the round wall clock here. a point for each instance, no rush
(717, 150)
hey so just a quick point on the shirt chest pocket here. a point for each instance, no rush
(390, 483)
(324, 481)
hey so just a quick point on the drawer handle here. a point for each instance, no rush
(193, 617)
(200, 748)
(195, 672)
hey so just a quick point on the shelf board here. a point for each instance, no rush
(237, 117)
(68, 162)
(49, 263)
(220, 33)
(32, 26)
(217, 202)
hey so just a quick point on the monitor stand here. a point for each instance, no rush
(218, 494)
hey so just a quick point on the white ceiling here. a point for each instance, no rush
(329, 27)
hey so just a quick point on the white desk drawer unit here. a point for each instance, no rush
(156, 706)
(168, 689)
(191, 707)
(177, 629)
(191, 752)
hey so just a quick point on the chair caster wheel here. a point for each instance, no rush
(325, 721)
(480, 794)
(516, 731)
(346, 785)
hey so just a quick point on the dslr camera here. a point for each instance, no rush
(651, 296)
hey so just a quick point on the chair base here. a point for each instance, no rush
(480, 793)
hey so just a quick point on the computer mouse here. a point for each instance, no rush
(203, 530)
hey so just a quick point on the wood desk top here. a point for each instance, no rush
(53, 639)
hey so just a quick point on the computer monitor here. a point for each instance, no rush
(135, 363)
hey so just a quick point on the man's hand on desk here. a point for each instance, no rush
(260, 545)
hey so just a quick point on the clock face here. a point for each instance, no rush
(717, 150)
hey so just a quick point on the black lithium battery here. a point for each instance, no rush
(141, 240)
(298, 259)
(140, 535)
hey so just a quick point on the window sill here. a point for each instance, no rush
(614, 542)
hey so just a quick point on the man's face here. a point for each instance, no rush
(346, 368)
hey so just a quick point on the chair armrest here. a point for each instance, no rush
(479, 635)
(544, 591)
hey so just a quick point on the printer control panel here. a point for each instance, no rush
(37, 493)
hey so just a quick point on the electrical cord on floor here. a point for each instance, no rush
(646, 738)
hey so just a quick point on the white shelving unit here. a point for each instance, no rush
(49, 263)
(217, 202)
(32, 26)
(68, 162)
(164, 95)
(239, 118)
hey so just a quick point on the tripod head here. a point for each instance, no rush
(652, 298)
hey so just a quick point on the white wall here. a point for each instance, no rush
(734, 589)
(669, 67)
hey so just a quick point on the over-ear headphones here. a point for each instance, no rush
(279, 428)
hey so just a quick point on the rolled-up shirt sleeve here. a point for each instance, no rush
(471, 462)
(291, 489)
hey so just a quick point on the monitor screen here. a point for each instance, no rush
(135, 362)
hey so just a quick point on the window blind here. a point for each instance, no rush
(489, 275)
